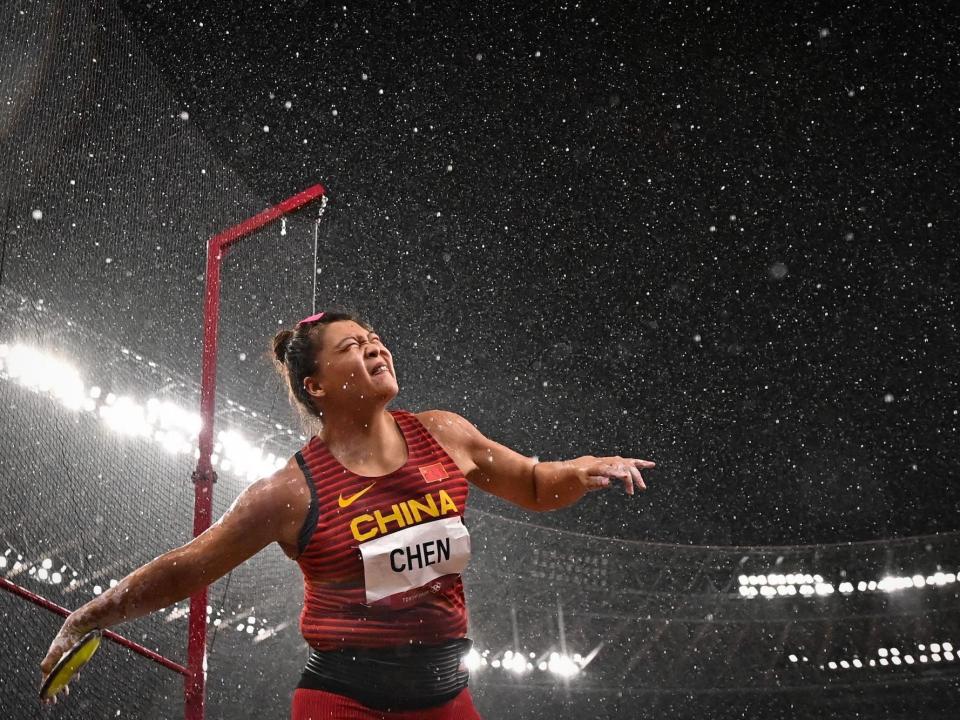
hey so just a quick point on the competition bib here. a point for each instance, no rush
(403, 567)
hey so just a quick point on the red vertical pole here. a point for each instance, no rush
(204, 477)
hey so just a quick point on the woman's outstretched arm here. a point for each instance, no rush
(533, 485)
(263, 513)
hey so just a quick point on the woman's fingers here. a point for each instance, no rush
(597, 482)
(625, 470)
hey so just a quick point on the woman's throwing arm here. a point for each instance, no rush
(261, 514)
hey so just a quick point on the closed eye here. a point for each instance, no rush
(354, 343)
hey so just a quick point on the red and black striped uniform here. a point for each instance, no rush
(344, 506)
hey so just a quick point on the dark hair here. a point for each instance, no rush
(295, 358)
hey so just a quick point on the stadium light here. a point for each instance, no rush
(175, 429)
(562, 665)
(473, 660)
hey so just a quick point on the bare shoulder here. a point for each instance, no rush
(290, 486)
(454, 433)
(282, 497)
(455, 427)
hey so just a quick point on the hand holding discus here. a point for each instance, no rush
(69, 651)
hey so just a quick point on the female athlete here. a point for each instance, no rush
(372, 510)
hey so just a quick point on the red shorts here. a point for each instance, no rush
(321, 705)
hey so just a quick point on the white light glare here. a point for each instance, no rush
(127, 417)
(170, 416)
(562, 665)
(516, 662)
(473, 660)
(44, 373)
(173, 427)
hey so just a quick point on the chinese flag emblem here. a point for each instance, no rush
(433, 473)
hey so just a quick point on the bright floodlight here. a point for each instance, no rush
(515, 662)
(126, 417)
(472, 659)
(169, 415)
(562, 665)
(41, 372)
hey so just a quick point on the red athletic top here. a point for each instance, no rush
(348, 510)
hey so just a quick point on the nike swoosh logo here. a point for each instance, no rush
(347, 502)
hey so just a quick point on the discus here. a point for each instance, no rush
(68, 665)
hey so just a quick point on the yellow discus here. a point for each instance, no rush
(68, 665)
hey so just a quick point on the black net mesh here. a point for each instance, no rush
(103, 181)
(86, 501)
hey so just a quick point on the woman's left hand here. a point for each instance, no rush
(596, 473)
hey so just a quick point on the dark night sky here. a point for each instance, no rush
(721, 238)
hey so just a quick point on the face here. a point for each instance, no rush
(347, 360)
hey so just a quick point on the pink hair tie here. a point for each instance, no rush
(312, 318)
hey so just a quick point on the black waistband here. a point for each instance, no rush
(407, 677)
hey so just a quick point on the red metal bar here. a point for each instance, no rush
(229, 236)
(204, 475)
(119, 639)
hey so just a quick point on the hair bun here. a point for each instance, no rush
(281, 343)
